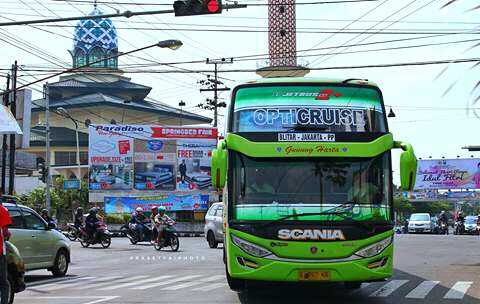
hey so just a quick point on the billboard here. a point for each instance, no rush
(172, 202)
(448, 174)
(146, 158)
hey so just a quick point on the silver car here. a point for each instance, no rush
(214, 225)
(40, 245)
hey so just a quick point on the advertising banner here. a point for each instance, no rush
(151, 158)
(448, 174)
(172, 202)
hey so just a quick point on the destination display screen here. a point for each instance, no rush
(308, 108)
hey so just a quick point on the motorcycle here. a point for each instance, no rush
(72, 232)
(170, 240)
(134, 235)
(101, 236)
(459, 228)
(443, 229)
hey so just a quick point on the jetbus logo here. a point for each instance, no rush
(311, 234)
(326, 94)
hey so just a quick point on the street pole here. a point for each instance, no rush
(78, 154)
(4, 143)
(47, 146)
(13, 107)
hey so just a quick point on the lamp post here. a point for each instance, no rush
(169, 44)
(65, 113)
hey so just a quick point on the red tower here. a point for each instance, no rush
(282, 41)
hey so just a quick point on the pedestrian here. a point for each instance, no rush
(5, 220)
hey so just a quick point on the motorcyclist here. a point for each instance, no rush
(461, 218)
(46, 216)
(443, 219)
(154, 226)
(139, 219)
(78, 218)
(460, 222)
(91, 222)
(162, 221)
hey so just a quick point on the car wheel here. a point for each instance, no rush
(352, 285)
(10, 288)
(211, 240)
(60, 266)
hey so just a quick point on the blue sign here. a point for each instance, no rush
(172, 202)
(71, 184)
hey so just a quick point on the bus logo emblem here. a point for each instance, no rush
(313, 249)
(311, 234)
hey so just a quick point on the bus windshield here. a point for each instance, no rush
(269, 189)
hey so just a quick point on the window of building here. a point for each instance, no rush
(96, 55)
(70, 158)
(79, 59)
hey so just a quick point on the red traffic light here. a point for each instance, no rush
(213, 6)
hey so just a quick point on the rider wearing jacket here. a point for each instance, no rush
(139, 219)
(161, 222)
(78, 218)
(154, 226)
(91, 222)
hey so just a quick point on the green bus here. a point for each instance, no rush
(306, 173)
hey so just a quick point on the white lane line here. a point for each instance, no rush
(139, 282)
(94, 300)
(198, 282)
(81, 283)
(422, 290)
(388, 288)
(54, 284)
(458, 290)
(123, 280)
(211, 287)
(362, 287)
(185, 278)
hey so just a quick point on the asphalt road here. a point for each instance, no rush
(428, 269)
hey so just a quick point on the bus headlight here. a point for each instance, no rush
(250, 248)
(375, 248)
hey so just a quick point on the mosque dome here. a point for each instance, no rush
(93, 40)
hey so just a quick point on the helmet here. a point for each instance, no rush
(139, 209)
(93, 210)
(79, 209)
(44, 211)
(155, 208)
(161, 209)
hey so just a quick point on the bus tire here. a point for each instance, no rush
(352, 285)
(237, 285)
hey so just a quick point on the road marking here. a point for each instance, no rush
(388, 288)
(458, 290)
(211, 287)
(118, 286)
(95, 300)
(422, 290)
(124, 280)
(82, 283)
(56, 283)
(185, 278)
(189, 284)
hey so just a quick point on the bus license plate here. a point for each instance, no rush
(314, 275)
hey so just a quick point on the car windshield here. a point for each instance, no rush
(269, 189)
(420, 217)
(470, 220)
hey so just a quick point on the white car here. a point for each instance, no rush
(420, 222)
(214, 225)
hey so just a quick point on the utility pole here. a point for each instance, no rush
(47, 146)
(4, 143)
(213, 87)
(13, 107)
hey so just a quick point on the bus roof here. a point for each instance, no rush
(313, 80)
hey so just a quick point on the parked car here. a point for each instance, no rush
(214, 225)
(420, 222)
(15, 271)
(40, 244)
(471, 225)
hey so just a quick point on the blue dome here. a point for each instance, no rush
(93, 33)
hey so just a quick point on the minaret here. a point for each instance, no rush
(282, 41)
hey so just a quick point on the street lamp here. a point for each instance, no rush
(65, 113)
(170, 44)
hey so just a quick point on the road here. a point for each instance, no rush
(428, 269)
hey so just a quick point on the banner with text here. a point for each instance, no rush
(448, 174)
(151, 158)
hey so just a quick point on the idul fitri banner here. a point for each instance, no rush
(149, 158)
(448, 174)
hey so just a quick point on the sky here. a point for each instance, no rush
(433, 105)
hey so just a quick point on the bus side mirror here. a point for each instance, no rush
(408, 166)
(219, 165)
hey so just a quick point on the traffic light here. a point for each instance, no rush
(43, 172)
(197, 7)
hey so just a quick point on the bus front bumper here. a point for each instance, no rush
(245, 266)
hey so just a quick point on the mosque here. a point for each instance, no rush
(103, 96)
